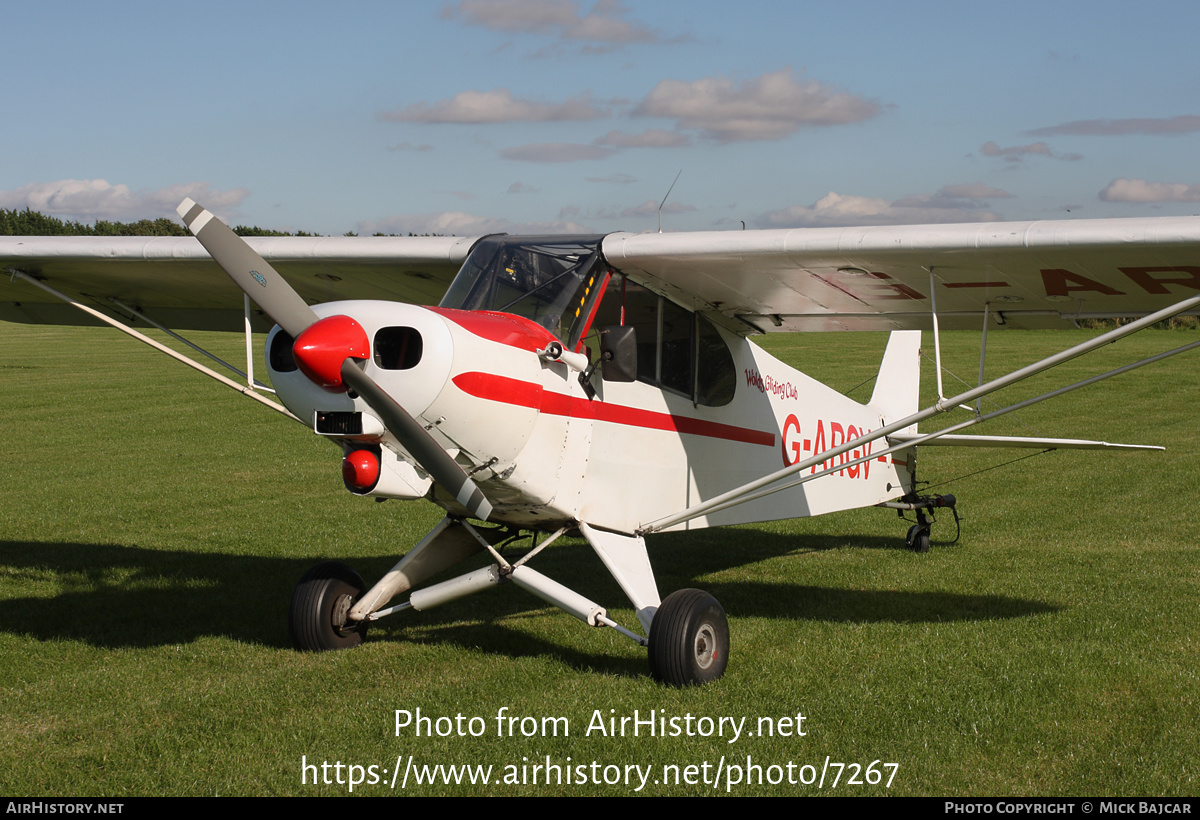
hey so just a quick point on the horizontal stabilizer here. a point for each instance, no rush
(1019, 441)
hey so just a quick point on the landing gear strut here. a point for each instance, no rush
(688, 634)
(321, 601)
(917, 538)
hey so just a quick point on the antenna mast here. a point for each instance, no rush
(664, 202)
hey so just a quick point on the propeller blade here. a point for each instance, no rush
(264, 285)
(248, 270)
(432, 458)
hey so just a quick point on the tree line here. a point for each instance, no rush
(33, 223)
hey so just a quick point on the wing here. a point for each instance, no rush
(174, 281)
(1029, 274)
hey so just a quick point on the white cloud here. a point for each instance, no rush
(555, 152)
(536, 16)
(835, 210)
(1146, 126)
(618, 178)
(87, 200)
(647, 209)
(963, 197)
(1016, 153)
(605, 23)
(460, 223)
(650, 208)
(653, 138)
(522, 188)
(769, 107)
(408, 146)
(498, 105)
(973, 190)
(1139, 190)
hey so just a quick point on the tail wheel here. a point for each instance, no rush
(317, 616)
(689, 639)
(917, 539)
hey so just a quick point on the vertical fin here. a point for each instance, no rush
(899, 381)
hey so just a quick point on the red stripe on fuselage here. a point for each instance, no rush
(527, 394)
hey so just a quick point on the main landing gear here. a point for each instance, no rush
(687, 635)
(317, 616)
(689, 639)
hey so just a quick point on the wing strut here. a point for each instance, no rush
(247, 374)
(141, 337)
(937, 339)
(908, 441)
(751, 491)
(982, 353)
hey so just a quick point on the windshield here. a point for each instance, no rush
(544, 278)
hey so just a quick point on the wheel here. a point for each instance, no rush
(917, 538)
(689, 639)
(320, 601)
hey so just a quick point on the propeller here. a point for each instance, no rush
(326, 350)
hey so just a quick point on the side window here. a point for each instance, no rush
(627, 303)
(716, 376)
(678, 350)
(675, 348)
(641, 311)
(608, 314)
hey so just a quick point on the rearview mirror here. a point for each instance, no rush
(618, 353)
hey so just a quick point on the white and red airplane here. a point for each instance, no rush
(607, 385)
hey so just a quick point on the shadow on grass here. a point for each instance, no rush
(115, 596)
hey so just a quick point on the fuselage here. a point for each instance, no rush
(708, 411)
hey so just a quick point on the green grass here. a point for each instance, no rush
(153, 525)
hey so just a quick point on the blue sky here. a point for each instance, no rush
(551, 115)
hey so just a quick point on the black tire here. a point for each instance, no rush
(320, 601)
(917, 538)
(689, 639)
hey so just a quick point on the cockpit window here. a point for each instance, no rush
(546, 279)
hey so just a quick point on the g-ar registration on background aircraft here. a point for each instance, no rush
(606, 385)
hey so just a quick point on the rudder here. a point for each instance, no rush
(898, 385)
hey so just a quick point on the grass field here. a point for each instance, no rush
(153, 525)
